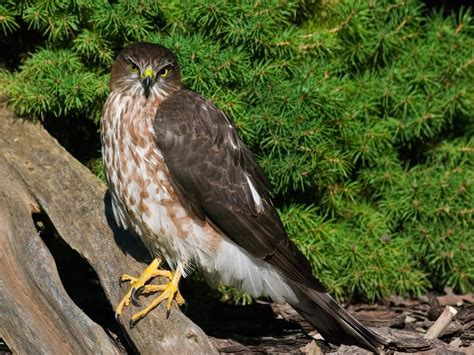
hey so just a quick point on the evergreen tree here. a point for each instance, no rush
(361, 113)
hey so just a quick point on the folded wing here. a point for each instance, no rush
(217, 176)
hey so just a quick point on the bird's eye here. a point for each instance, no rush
(133, 68)
(163, 72)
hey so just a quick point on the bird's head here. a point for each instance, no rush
(146, 69)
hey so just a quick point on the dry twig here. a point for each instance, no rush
(441, 323)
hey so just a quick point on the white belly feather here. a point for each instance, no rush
(235, 267)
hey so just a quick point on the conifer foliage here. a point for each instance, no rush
(361, 113)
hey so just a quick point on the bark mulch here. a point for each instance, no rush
(269, 328)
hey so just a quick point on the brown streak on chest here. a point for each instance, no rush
(141, 181)
(135, 136)
(136, 141)
(124, 164)
(135, 157)
(143, 193)
(144, 208)
(179, 222)
(215, 237)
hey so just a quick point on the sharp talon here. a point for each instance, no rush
(186, 307)
(136, 292)
(140, 285)
(135, 302)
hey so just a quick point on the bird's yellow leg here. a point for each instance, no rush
(136, 284)
(169, 291)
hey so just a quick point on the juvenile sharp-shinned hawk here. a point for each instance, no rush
(182, 179)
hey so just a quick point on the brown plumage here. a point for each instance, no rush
(183, 180)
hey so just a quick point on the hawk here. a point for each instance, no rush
(183, 180)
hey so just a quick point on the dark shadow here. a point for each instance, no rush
(252, 328)
(77, 134)
(126, 240)
(4, 349)
(447, 6)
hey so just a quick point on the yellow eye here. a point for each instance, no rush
(133, 68)
(164, 72)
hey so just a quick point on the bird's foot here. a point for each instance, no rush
(169, 292)
(139, 286)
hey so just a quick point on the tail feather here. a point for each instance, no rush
(333, 322)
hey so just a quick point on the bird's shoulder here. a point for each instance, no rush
(189, 125)
(187, 112)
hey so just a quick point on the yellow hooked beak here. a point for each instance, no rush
(148, 76)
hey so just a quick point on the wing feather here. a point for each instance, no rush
(217, 177)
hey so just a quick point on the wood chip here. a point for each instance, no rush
(311, 349)
(441, 323)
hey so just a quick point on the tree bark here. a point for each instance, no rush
(36, 314)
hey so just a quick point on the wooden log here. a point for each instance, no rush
(36, 313)
(74, 201)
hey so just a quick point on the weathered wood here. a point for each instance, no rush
(441, 323)
(36, 314)
(73, 199)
